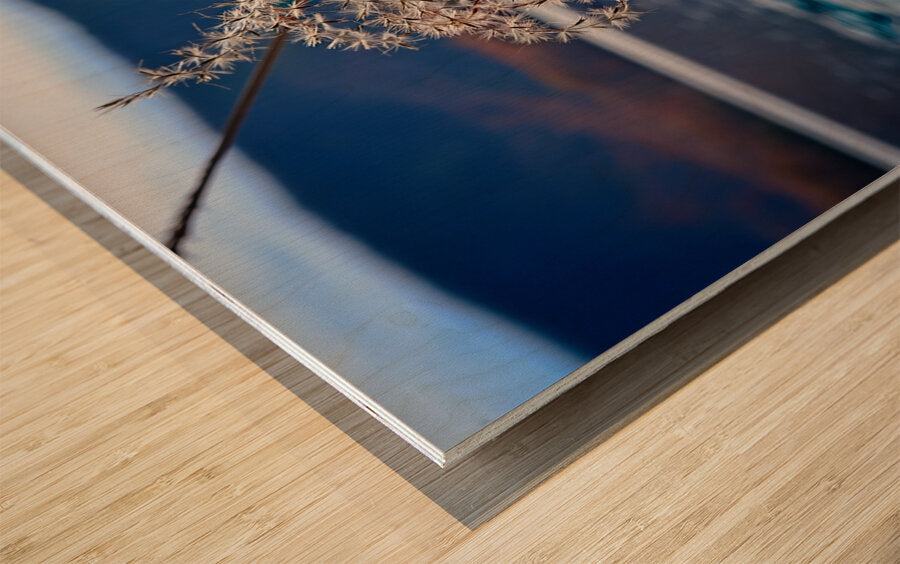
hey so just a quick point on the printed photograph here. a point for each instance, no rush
(446, 209)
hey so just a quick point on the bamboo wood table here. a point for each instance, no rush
(143, 421)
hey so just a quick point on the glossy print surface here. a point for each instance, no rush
(443, 235)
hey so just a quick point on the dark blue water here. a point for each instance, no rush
(558, 185)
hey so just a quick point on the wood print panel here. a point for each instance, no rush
(443, 235)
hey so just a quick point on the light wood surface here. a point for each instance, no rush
(445, 369)
(141, 420)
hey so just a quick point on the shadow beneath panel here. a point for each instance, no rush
(505, 469)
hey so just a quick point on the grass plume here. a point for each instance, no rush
(239, 26)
